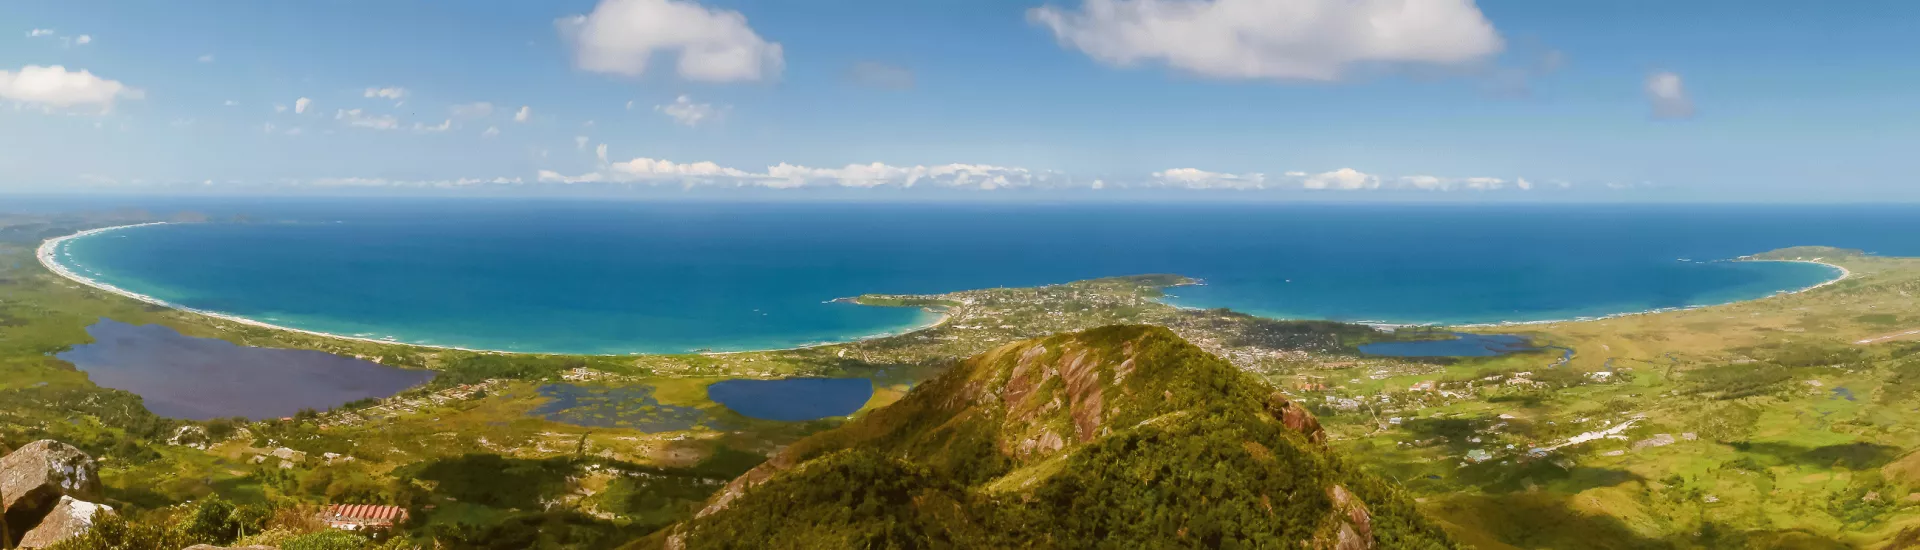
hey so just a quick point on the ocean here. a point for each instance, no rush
(651, 277)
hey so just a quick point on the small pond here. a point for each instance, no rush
(1461, 345)
(793, 399)
(181, 376)
(631, 407)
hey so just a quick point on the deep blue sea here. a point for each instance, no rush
(622, 277)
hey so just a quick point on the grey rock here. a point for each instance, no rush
(34, 477)
(70, 518)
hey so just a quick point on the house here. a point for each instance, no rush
(355, 517)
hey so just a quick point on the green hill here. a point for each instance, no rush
(1116, 437)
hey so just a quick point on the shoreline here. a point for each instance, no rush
(47, 252)
(1844, 274)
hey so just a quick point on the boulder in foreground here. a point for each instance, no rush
(33, 479)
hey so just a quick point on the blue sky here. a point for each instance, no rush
(1583, 99)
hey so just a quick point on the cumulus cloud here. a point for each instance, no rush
(1346, 179)
(83, 40)
(300, 106)
(1195, 178)
(356, 117)
(580, 142)
(1668, 96)
(37, 33)
(708, 45)
(685, 112)
(490, 132)
(1273, 39)
(523, 114)
(386, 93)
(600, 152)
(881, 75)
(56, 87)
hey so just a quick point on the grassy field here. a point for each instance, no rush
(1757, 424)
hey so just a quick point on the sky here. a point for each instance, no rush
(1575, 100)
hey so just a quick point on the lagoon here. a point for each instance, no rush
(792, 399)
(181, 376)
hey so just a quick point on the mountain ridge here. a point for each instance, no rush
(1124, 434)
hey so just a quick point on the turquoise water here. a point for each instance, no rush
(792, 399)
(616, 277)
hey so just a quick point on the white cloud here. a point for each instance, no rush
(230, 103)
(36, 33)
(206, 58)
(56, 87)
(1099, 184)
(441, 127)
(279, 108)
(1273, 39)
(386, 93)
(384, 182)
(476, 109)
(600, 152)
(1437, 183)
(491, 131)
(83, 40)
(783, 175)
(1668, 95)
(523, 114)
(685, 112)
(355, 117)
(300, 105)
(1342, 179)
(580, 142)
(1195, 178)
(709, 45)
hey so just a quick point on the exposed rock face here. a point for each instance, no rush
(33, 478)
(1356, 524)
(69, 518)
(1295, 417)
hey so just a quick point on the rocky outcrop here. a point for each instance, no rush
(69, 518)
(1295, 417)
(48, 481)
(1355, 524)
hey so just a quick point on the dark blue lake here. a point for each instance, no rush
(793, 399)
(614, 407)
(181, 376)
(1461, 345)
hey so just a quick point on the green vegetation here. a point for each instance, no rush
(1782, 422)
(1125, 435)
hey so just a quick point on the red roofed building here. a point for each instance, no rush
(354, 517)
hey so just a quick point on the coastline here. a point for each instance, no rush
(48, 250)
(1844, 274)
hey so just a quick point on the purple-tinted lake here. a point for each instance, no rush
(182, 376)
